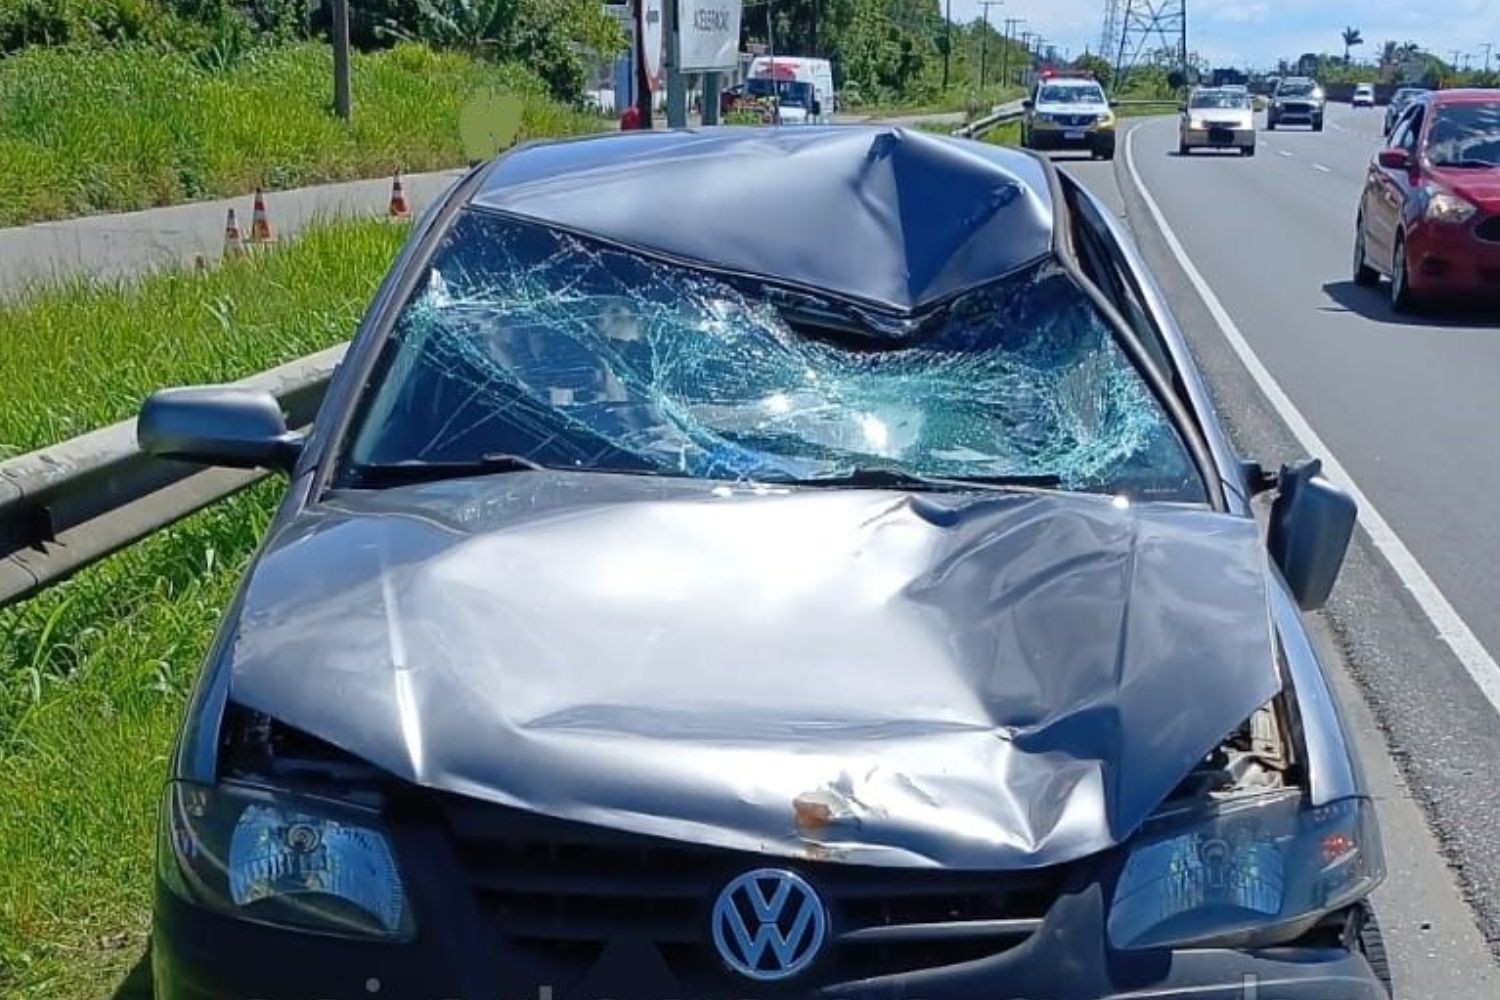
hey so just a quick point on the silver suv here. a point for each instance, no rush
(1299, 100)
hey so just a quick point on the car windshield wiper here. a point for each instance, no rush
(418, 471)
(897, 479)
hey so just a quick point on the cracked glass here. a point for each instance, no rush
(545, 347)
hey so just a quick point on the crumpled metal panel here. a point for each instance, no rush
(894, 217)
(1006, 680)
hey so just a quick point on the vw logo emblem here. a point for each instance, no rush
(769, 924)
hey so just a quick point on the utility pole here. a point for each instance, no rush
(947, 41)
(1488, 47)
(343, 103)
(1011, 23)
(984, 42)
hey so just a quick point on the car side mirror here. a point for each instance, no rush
(218, 425)
(1028, 104)
(1395, 158)
(1312, 521)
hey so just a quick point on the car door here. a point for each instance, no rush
(1387, 190)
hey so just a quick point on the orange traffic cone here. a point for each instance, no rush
(261, 232)
(399, 208)
(234, 241)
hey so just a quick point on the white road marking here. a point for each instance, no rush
(1321, 168)
(1450, 626)
(1286, 153)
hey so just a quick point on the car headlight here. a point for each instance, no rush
(1197, 124)
(276, 859)
(1244, 873)
(1107, 119)
(1448, 208)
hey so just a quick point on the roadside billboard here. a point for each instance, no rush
(652, 37)
(708, 34)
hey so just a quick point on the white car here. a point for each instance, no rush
(1217, 118)
(1364, 95)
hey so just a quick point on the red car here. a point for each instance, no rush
(1429, 217)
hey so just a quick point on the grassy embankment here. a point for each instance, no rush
(95, 130)
(93, 673)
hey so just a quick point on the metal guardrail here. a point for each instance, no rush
(981, 126)
(1014, 112)
(74, 503)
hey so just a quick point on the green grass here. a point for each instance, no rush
(96, 672)
(80, 356)
(116, 129)
(93, 673)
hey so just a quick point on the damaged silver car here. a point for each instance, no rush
(830, 580)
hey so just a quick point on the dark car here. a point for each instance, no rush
(1399, 102)
(1429, 217)
(836, 586)
(1298, 100)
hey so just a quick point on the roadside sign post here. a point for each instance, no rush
(342, 101)
(676, 82)
(706, 40)
(649, 44)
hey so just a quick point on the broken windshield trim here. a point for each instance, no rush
(1193, 489)
(1183, 416)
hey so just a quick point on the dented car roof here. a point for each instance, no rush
(902, 219)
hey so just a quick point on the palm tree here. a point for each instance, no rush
(1352, 37)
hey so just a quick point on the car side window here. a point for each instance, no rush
(1409, 130)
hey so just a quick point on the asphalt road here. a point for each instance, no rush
(1409, 410)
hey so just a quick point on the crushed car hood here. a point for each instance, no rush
(919, 217)
(1002, 680)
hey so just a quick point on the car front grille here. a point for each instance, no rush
(1489, 229)
(1296, 108)
(567, 889)
(1074, 121)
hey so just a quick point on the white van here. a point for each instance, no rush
(817, 72)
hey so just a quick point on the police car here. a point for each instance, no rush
(1069, 111)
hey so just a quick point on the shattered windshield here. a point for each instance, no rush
(1224, 99)
(545, 347)
(1071, 95)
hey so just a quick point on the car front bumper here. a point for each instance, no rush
(1453, 261)
(198, 955)
(1090, 137)
(1218, 137)
(1296, 114)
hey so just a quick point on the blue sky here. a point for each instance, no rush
(1259, 32)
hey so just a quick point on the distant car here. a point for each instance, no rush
(1399, 102)
(1217, 118)
(1364, 96)
(1298, 100)
(1069, 112)
(1429, 218)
